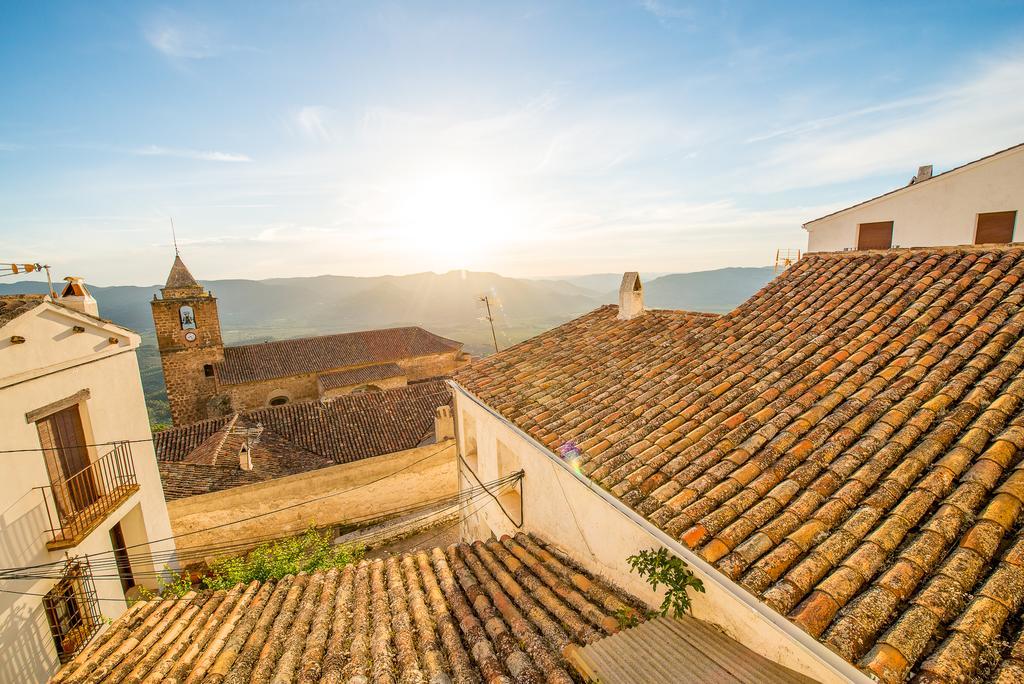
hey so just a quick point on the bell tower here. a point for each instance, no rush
(188, 336)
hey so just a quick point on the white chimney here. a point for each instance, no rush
(631, 296)
(444, 424)
(76, 296)
(245, 456)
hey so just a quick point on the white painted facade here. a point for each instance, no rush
(49, 356)
(940, 211)
(566, 509)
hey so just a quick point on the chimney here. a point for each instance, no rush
(76, 296)
(245, 456)
(631, 296)
(923, 174)
(444, 424)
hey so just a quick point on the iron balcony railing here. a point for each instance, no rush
(77, 504)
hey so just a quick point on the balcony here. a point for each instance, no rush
(76, 505)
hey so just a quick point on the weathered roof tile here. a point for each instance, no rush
(846, 444)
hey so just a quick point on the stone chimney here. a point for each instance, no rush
(923, 173)
(76, 296)
(631, 296)
(444, 424)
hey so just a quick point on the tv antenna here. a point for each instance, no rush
(490, 319)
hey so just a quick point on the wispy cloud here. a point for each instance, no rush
(947, 126)
(182, 39)
(202, 155)
(667, 9)
(312, 122)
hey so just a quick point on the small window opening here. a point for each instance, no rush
(208, 370)
(279, 401)
(72, 610)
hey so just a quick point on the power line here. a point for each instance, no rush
(200, 551)
(101, 554)
(153, 438)
(422, 542)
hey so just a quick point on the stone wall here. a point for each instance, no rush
(385, 384)
(253, 395)
(362, 490)
(433, 365)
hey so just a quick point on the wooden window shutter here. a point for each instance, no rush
(874, 235)
(995, 228)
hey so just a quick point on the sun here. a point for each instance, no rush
(455, 218)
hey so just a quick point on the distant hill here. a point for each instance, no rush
(446, 303)
(717, 291)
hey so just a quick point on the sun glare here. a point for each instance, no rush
(454, 218)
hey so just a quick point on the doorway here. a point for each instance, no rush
(124, 566)
(62, 437)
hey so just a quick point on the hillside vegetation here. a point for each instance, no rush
(447, 304)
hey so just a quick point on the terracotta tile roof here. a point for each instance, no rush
(847, 444)
(498, 611)
(12, 306)
(360, 376)
(200, 458)
(284, 358)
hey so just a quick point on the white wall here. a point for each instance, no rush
(54, 363)
(560, 507)
(940, 211)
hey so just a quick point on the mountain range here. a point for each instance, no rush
(448, 304)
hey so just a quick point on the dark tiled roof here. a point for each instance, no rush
(12, 306)
(214, 464)
(500, 611)
(361, 376)
(284, 358)
(847, 444)
(298, 437)
(180, 278)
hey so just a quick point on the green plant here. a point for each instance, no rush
(309, 552)
(659, 567)
(627, 618)
(174, 585)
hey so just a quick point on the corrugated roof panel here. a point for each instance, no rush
(667, 651)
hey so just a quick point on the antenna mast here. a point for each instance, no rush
(487, 302)
(174, 236)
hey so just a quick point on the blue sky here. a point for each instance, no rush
(528, 138)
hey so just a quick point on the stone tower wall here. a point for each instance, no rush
(189, 389)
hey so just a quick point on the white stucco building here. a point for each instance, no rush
(977, 203)
(82, 513)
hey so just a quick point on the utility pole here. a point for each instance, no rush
(487, 302)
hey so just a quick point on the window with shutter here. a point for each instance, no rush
(876, 235)
(995, 228)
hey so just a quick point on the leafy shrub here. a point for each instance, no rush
(271, 561)
(659, 567)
